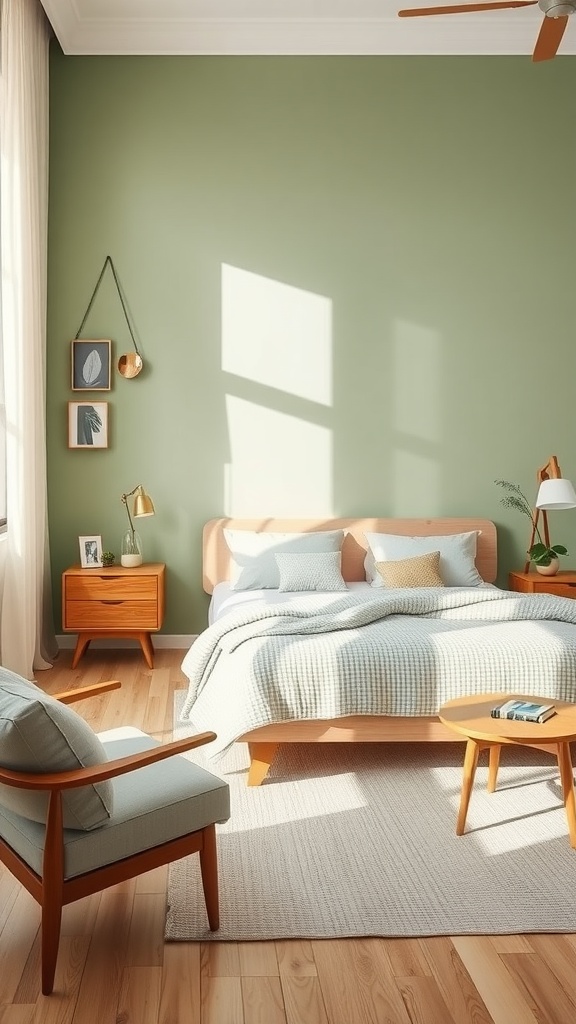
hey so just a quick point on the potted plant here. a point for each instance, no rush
(544, 556)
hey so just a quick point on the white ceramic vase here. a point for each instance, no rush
(549, 570)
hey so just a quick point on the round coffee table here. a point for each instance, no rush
(470, 716)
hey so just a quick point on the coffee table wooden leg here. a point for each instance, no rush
(470, 762)
(493, 765)
(567, 779)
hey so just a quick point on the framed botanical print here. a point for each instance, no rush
(88, 425)
(91, 365)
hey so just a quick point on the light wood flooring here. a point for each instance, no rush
(114, 967)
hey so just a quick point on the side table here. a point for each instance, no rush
(470, 716)
(113, 602)
(563, 584)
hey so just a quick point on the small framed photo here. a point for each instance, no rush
(88, 425)
(90, 552)
(91, 365)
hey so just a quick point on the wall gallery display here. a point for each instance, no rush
(87, 425)
(91, 365)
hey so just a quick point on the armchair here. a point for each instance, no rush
(81, 812)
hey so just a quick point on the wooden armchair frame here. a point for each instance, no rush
(51, 890)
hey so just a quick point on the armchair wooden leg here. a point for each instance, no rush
(209, 869)
(51, 921)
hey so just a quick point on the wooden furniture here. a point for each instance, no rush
(113, 602)
(548, 476)
(263, 742)
(470, 717)
(563, 584)
(53, 890)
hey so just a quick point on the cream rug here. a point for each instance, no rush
(350, 840)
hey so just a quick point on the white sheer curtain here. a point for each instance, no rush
(27, 632)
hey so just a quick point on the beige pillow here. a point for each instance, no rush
(420, 571)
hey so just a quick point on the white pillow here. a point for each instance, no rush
(253, 563)
(318, 570)
(457, 555)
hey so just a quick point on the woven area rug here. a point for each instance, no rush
(351, 840)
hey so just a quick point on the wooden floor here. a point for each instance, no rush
(114, 967)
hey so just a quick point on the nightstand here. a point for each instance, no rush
(113, 602)
(563, 584)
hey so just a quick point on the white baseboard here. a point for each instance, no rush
(67, 641)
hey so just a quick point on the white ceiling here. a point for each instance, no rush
(289, 27)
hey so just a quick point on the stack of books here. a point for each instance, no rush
(523, 711)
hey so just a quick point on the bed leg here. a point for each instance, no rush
(261, 757)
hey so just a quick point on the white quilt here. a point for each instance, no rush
(403, 652)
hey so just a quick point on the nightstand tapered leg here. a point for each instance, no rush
(147, 648)
(82, 645)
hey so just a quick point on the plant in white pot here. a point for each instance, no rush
(544, 556)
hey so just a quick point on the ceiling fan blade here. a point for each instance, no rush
(550, 37)
(499, 5)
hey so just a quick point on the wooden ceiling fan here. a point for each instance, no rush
(556, 14)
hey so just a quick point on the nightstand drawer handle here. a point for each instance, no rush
(111, 602)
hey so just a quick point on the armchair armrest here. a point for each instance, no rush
(69, 696)
(101, 772)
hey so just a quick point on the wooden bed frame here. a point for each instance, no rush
(263, 743)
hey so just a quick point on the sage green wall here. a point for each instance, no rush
(430, 200)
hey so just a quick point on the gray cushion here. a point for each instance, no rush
(40, 734)
(319, 570)
(151, 805)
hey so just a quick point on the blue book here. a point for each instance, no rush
(523, 711)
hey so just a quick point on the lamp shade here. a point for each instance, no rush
(557, 493)
(144, 506)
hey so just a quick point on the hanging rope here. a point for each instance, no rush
(108, 262)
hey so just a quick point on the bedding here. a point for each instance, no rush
(457, 555)
(253, 553)
(225, 600)
(306, 571)
(419, 571)
(386, 653)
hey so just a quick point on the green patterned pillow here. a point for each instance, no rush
(420, 571)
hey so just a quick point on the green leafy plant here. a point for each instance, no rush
(108, 558)
(540, 553)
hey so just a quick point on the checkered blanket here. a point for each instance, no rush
(401, 652)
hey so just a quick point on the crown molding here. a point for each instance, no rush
(504, 33)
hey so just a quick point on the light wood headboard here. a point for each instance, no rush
(216, 555)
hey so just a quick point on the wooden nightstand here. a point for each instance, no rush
(563, 584)
(114, 602)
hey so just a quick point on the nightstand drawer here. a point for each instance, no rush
(557, 589)
(563, 584)
(111, 588)
(111, 614)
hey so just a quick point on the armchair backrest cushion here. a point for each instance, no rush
(41, 735)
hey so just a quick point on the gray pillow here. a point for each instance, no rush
(253, 554)
(39, 734)
(319, 570)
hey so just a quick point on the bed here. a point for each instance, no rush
(551, 673)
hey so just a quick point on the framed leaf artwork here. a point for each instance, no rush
(88, 425)
(91, 362)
